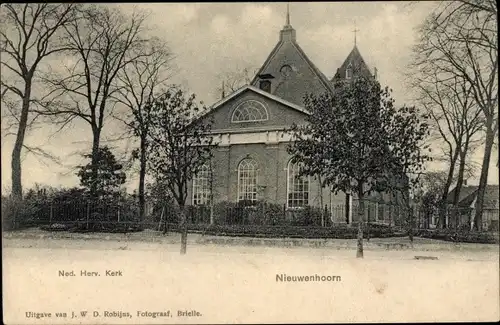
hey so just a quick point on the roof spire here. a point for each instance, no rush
(355, 31)
(287, 33)
(288, 14)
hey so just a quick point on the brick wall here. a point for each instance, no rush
(272, 160)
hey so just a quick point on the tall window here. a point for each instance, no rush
(298, 187)
(201, 186)
(247, 180)
(249, 111)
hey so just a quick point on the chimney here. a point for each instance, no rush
(265, 85)
(265, 82)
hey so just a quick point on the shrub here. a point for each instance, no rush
(273, 214)
(18, 214)
(306, 216)
(341, 232)
(459, 236)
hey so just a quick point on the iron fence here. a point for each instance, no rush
(100, 214)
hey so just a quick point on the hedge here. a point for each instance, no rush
(459, 236)
(339, 232)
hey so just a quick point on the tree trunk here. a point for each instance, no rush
(183, 230)
(361, 213)
(17, 188)
(490, 138)
(460, 182)
(96, 133)
(142, 176)
(348, 210)
(406, 196)
(321, 201)
(446, 189)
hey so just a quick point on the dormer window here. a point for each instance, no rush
(348, 72)
(265, 85)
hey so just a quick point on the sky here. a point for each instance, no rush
(212, 39)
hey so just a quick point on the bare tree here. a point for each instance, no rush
(139, 83)
(233, 80)
(29, 35)
(456, 120)
(460, 38)
(100, 43)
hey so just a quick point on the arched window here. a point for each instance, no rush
(247, 180)
(250, 111)
(348, 72)
(201, 186)
(297, 188)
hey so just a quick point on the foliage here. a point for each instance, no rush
(16, 213)
(350, 133)
(429, 192)
(179, 142)
(358, 142)
(463, 236)
(289, 231)
(307, 216)
(110, 175)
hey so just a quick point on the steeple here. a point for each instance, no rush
(355, 31)
(287, 33)
(354, 64)
(288, 14)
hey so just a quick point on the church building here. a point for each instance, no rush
(251, 162)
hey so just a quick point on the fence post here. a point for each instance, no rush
(325, 215)
(51, 212)
(88, 214)
(118, 212)
(161, 218)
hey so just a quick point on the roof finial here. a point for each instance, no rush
(288, 14)
(223, 90)
(355, 31)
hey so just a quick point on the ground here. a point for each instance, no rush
(238, 284)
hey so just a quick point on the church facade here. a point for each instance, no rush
(251, 162)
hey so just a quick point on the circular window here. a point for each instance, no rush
(286, 71)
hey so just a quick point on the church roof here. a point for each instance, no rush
(258, 91)
(289, 74)
(305, 76)
(356, 61)
(469, 193)
(294, 46)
